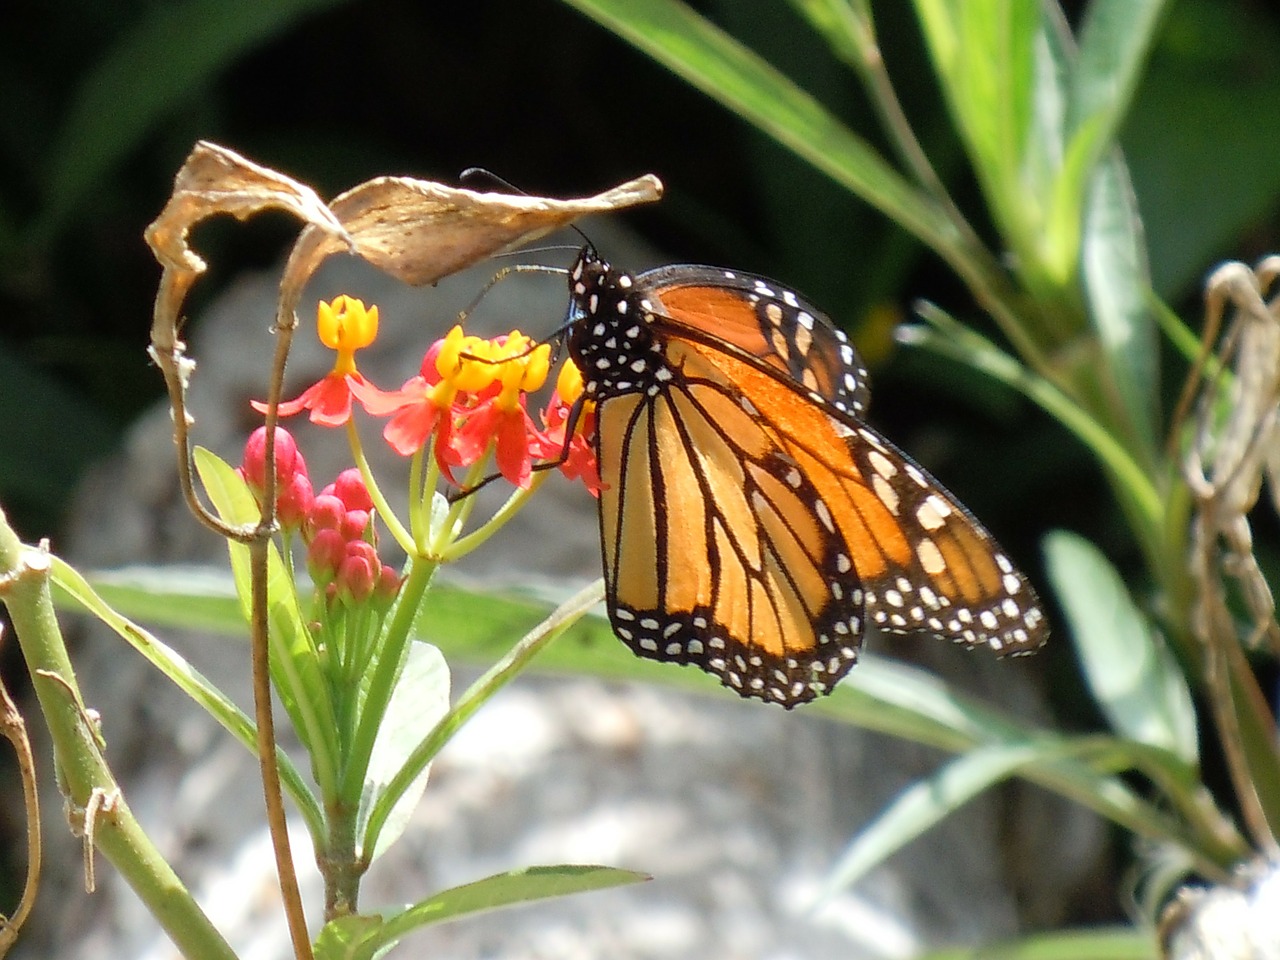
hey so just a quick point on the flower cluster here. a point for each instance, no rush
(336, 524)
(468, 397)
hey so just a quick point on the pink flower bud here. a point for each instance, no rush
(354, 524)
(294, 502)
(388, 585)
(327, 513)
(358, 574)
(325, 555)
(254, 465)
(350, 489)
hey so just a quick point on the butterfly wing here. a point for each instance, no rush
(751, 531)
(761, 319)
(713, 553)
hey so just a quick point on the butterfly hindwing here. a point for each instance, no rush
(713, 552)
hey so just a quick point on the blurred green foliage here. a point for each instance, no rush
(99, 104)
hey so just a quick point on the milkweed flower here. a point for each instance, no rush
(468, 394)
(345, 325)
(577, 457)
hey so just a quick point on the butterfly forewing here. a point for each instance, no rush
(764, 320)
(750, 519)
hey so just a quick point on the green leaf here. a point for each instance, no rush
(420, 699)
(507, 889)
(985, 55)
(1100, 78)
(1133, 677)
(880, 695)
(948, 337)
(711, 60)
(296, 673)
(353, 937)
(200, 598)
(183, 46)
(362, 938)
(1117, 283)
(1115, 38)
(508, 666)
(922, 805)
(1104, 943)
(73, 591)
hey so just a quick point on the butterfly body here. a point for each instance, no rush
(751, 523)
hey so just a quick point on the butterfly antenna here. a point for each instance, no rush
(482, 173)
(474, 173)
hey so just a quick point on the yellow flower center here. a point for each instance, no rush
(470, 364)
(346, 325)
(569, 383)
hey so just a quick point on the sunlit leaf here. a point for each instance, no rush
(420, 699)
(1133, 677)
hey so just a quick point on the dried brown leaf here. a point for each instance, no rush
(212, 181)
(419, 231)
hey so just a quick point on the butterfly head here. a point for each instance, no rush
(611, 337)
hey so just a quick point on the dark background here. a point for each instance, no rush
(100, 103)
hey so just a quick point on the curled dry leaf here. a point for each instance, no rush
(415, 230)
(216, 180)
(420, 231)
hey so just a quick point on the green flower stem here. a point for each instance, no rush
(464, 545)
(78, 752)
(394, 526)
(459, 512)
(419, 503)
(476, 696)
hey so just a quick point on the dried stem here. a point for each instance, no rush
(13, 729)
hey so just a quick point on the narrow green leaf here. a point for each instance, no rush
(73, 590)
(201, 598)
(1132, 675)
(1117, 282)
(904, 701)
(420, 699)
(948, 337)
(182, 45)
(711, 60)
(353, 937)
(507, 667)
(295, 669)
(985, 55)
(922, 805)
(348, 939)
(1105, 943)
(1115, 38)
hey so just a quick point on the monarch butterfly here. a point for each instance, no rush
(751, 522)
